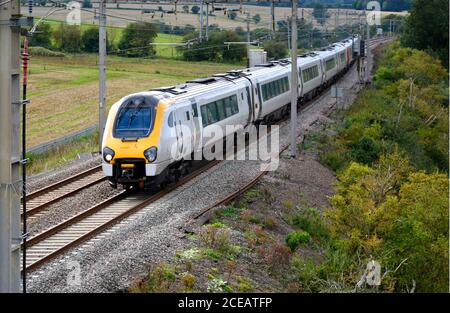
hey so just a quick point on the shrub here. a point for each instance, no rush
(297, 238)
(40, 51)
(310, 220)
(188, 280)
(68, 38)
(216, 238)
(276, 255)
(195, 9)
(275, 49)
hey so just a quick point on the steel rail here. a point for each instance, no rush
(42, 198)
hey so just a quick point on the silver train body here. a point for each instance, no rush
(243, 97)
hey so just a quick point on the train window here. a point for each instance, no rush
(330, 64)
(275, 88)
(228, 108)
(187, 116)
(213, 115)
(221, 108)
(135, 118)
(242, 95)
(170, 119)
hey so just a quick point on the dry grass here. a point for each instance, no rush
(64, 91)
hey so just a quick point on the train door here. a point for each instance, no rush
(251, 111)
(186, 129)
(258, 101)
(300, 83)
(197, 134)
(179, 133)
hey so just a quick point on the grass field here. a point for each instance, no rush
(64, 91)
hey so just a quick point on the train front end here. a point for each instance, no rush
(131, 140)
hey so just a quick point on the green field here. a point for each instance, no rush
(64, 91)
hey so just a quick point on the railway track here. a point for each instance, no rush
(40, 199)
(57, 240)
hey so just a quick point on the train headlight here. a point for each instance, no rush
(108, 154)
(150, 154)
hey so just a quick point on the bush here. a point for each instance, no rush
(256, 18)
(311, 221)
(297, 238)
(215, 237)
(90, 39)
(40, 51)
(87, 4)
(275, 49)
(195, 9)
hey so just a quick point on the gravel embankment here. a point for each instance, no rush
(41, 180)
(113, 260)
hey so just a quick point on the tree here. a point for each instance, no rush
(214, 49)
(137, 38)
(90, 40)
(68, 38)
(256, 18)
(427, 28)
(185, 9)
(195, 9)
(320, 13)
(42, 37)
(232, 16)
(275, 49)
(87, 4)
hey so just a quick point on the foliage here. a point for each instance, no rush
(160, 279)
(87, 4)
(137, 38)
(90, 39)
(391, 201)
(275, 49)
(311, 221)
(407, 110)
(42, 37)
(386, 5)
(320, 13)
(398, 217)
(256, 18)
(195, 9)
(232, 15)
(68, 38)
(427, 27)
(43, 52)
(215, 237)
(214, 49)
(297, 238)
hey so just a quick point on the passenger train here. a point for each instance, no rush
(142, 128)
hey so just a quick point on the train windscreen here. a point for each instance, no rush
(135, 118)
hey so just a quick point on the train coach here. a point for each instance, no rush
(150, 136)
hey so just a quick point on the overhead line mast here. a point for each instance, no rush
(10, 184)
(102, 71)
